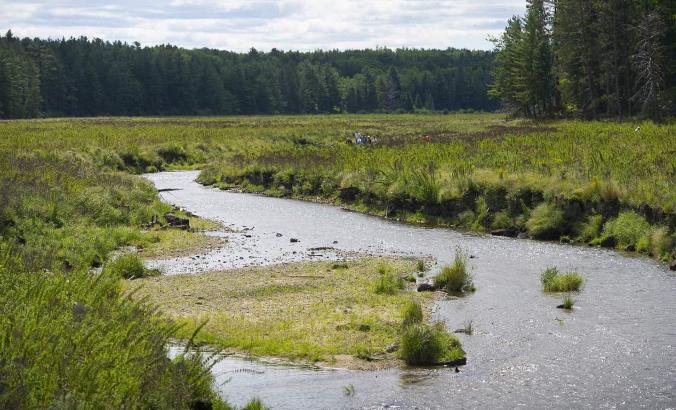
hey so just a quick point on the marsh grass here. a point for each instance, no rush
(455, 278)
(555, 281)
(129, 266)
(65, 336)
(423, 344)
(388, 283)
(412, 313)
(568, 303)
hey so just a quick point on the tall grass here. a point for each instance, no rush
(555, 281)
(412, 313)
(428, 344)
(74, 341)
(456, 277)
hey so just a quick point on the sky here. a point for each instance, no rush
(238, 25)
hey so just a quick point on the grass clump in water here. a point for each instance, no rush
(456, 277)
(568, 303)
(554, 281)
(412, 313)
(129, 266)
(429, 344)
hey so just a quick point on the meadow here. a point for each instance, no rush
(68, 201)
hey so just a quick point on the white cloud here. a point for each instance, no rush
(264, 24)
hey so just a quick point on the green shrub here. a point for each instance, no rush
(412, 313)
(501, 220)
(591, 228)
(627, 230)
(554, 281)
(129, 266)
(388, 284)
(455, 277)
(661, 243)
(428, 344)
(545, 222)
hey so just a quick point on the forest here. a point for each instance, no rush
(591, 59)
(88, 77)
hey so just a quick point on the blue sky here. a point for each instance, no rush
(285, 24)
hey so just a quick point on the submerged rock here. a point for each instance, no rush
(672, 265)
(294, 240)
(522, 235)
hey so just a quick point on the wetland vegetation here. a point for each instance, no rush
(69, 201)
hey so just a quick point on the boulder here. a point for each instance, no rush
(672, 265)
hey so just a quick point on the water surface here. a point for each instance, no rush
(615, 350)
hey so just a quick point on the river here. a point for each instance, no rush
(616, 349)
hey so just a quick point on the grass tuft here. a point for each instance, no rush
(456, 277)
(554, 281)
(568, 303)
(129, 266)
(429, 344)
(412, 313)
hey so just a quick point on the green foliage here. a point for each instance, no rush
(545, 222)
(74, 340)
(589, 59)
(456, 277)
(591, 228)
(388, 284)
(627, 230)
(428, 344)
(128, 266)
(568, 302)
(412, 313)
(255, 404)
(420, 265)
(122, 79)
(554, 281)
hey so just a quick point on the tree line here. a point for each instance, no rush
(87, 77)
(589, 58)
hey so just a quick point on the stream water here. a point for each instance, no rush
(616, 349)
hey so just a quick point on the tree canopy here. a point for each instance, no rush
(87, 77)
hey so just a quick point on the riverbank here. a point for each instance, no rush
(326, 313)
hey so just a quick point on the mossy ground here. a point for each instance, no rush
(307, 310)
